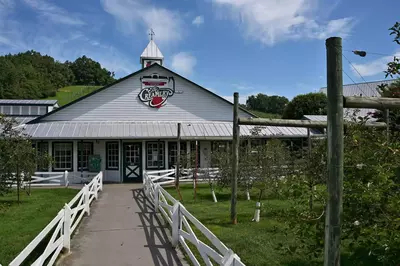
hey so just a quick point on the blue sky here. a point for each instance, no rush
(249, 46)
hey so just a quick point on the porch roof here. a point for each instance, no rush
(152, 130)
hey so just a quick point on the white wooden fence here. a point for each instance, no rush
(43, 179)
(182, 222)
(48, 179)
(164, 177)
(63, 225)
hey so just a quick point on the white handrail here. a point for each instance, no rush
(64, 224)
(178, 217)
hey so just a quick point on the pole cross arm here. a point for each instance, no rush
(297, 123)
(281, 122)
(371, 102)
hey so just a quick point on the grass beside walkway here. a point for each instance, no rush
(255, 243)
(20, 223)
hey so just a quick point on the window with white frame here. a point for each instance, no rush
(42, 110)
(155, 155)
(173, 152)
(25, 110)
(62, 154)
(85, 149)
(112, 155)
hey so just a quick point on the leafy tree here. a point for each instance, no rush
(90, 72)
(306, 104)
(18, 157)
(389, 91)
(392, 90)
(267, 104)
(31, 75)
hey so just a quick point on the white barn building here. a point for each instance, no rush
(131, 125)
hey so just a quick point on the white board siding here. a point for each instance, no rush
(121, 103)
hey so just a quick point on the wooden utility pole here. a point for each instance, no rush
(387, 121)
(178, 162)
(235, 156)
(311, 181)
(335, 151)
(178, 156)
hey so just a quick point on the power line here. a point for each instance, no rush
(351, 79)
(358, 74)
(367, 52)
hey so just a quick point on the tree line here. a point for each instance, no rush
(31, 75)
(279, 106)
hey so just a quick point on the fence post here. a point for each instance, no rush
(95, 185)
(146, 185)
(175, 224)
(67, 228)
(87, 197)
(156, 197)
(66, 178)
(335, 152)
(235, 157)
(101, 181)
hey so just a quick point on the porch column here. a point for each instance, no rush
(75, 155)
(166, 155)
(144, 154)
(188, 150)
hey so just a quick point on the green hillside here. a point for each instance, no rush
(71, 93)
(264, 115)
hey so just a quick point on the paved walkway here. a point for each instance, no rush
(122, 229)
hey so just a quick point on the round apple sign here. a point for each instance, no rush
(156, 90)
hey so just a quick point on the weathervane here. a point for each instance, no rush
(151, 34)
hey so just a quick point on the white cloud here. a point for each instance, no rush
(183, 63)
(134, 15)
(54, 13)
(271, 21)
(242, 98)
(242, 87)
(198, 21)
(62, 45)
(374, 67)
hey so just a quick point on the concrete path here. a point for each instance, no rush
(122, 229)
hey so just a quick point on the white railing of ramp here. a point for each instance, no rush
(178, 217)
(63, 225)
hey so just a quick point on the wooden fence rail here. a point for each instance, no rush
(62, 226)
(182, 223)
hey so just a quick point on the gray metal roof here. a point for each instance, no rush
(27, 102)
(320, 118)
(24, 119)
(366, 89)
(150, 130)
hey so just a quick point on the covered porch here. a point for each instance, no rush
(124, 150)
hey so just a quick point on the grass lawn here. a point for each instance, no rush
(20, 223)
(71, 93)
(255, 243)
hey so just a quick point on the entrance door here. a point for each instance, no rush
(132, 162)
